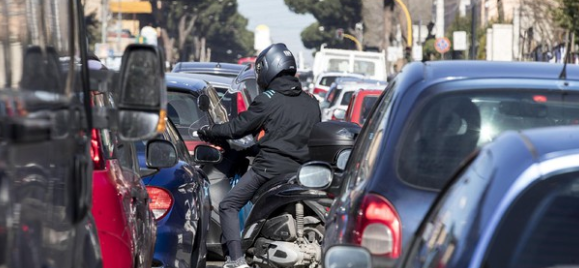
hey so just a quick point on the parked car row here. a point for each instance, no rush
(431, 182)
(70, 187)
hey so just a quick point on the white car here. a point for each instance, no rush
(325, 80)
(335, 105)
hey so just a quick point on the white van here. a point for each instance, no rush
(372, 65)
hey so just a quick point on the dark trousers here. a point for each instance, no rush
(229, 211)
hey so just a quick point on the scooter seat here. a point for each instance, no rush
(282, 179)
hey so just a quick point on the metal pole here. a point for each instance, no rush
(439, 18)
(473, 31)
(119, 18)
(104, 20)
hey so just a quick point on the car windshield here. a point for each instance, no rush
(367, 105)
(452, 125)
(182, 109)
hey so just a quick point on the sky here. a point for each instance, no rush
(285, 26)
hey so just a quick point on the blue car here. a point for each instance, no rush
(183, 95)
(515, 204)
(181, 204)
(426, 122)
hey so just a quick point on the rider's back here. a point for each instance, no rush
(292, 115)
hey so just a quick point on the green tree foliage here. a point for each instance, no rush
(93, 29)
(194, 27)
(330, 15)
(567, 15)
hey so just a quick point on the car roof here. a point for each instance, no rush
(493, 69)
(340, 74)
(209, 67)
(184, 81)
(515, 153)
(549, 143)
(214, 80)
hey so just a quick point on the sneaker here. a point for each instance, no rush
(239, 263)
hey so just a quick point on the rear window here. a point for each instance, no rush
(451, 126)
(327, 80)
(338, 65)
(183, 111)
(346, 98)
(540, 228)
(367, 105)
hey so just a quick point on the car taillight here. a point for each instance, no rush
(378, 228)
(318, 90)
(95, 151)
(161, 201)
(240, 103)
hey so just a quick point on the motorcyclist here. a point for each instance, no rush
(286, 115)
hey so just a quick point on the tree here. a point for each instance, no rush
(567, 15)
(93, 28)
(203, 30)
(330, 15)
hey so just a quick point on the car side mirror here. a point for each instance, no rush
(315, 175)
(205, 154)
(203, 102)
(161, 154)
(339, 114)
(347, 256)
(143, 93)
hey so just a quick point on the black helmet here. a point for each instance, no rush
(273, 61)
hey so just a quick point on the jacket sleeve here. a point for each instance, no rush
(246, 122)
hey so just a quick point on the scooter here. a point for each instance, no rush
(285, 227)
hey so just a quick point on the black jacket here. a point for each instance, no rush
(287, 115)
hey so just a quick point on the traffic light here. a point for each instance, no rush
(340, 34)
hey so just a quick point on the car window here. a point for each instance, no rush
(540, 227)
(176, 139)
(338, 65)
(184, 112)
(126, 155)
(364, 67)
(227, 101)
(367, 104)
(219, 101)
(327, 80)
(452, 125)
(368, 144)
(451, 215)
(250, 86)
(334, 96)
(346, 98)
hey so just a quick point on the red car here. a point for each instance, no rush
(360, 105)
(125, 224)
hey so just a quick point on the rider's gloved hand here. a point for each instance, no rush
(205, 134)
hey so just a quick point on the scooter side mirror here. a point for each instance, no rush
(347, 256)
(315, 175)
(342, 159)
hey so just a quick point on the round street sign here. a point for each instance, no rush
(442, 45)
